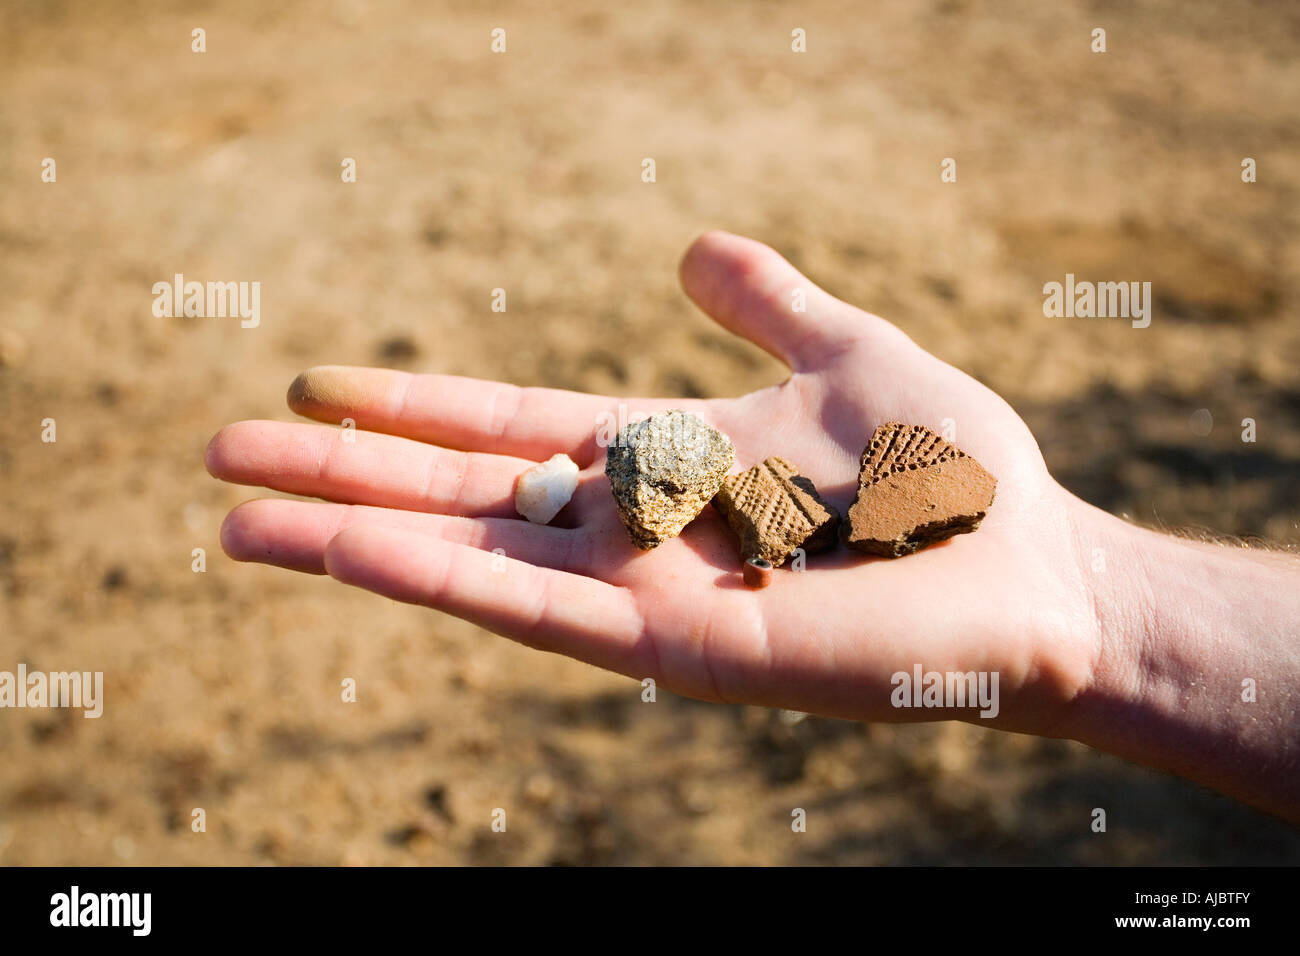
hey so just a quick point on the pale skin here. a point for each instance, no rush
(1144, 658)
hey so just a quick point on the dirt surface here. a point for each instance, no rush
(522, 170)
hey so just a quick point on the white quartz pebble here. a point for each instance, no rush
(546, 488)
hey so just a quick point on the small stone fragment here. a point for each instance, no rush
(540, 788)
(663, 471)
(914, 489)
(758, 572)
(773, 510)
(544, 489)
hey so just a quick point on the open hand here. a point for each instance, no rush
(420, 498)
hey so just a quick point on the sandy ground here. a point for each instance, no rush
(522, 171)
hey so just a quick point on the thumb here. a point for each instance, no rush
(751, 290)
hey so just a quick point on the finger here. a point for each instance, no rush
(465, 413)
(550, 610)
(370, 469)
(753, 291)
(294, 534)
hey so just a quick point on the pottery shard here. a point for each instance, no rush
(664, 470)
(773, 510)
(914, 489)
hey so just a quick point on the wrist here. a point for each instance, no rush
(1195, 670)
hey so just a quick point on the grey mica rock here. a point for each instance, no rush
(664, 470)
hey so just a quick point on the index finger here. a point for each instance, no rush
(464, 413)
(468, 414)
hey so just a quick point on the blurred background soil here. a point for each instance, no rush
(522, 171)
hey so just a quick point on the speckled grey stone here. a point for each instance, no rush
(663, 471)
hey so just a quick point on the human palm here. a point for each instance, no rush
(419, 507)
